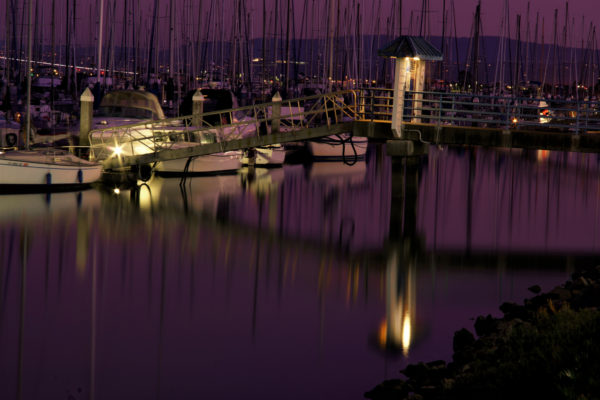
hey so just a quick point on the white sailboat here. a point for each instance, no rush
(44, 169)
(343, 147)
(127, 107)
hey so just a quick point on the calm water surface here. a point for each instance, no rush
(302, 282)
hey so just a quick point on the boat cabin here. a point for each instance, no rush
(136, 104)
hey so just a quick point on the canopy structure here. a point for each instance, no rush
(413, 47)
(410, 54)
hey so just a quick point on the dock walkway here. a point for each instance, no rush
(428, 117)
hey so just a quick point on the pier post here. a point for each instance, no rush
(401, 71)
(275, 122)
(419, 85)
(85, 119)
(197, 108)
(404, 50)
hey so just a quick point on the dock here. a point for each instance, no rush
(428, 118)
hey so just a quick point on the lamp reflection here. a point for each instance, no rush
(396, 331)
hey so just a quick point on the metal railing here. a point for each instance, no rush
(376, 105)
(287, 116)
(475, 110)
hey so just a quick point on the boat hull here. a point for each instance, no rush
(33, 169)
(336, 148)
(219, 163)
(264, 156)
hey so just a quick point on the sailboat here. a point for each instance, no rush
(128, 107)
(44, 169)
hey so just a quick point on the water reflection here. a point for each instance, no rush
(238, 286)
(396, 332)
(35, 205)
(517, 201)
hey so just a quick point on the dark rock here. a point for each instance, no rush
(552, 295)
(388, 390)
(563, 294)
(593, 274)
(536, 303)
(512, 310)
(436, 364)
(485, 325)
(535, 289)
(477, 371)
(586, 298)
(416, 371)
(568, 285)
(448, 384)
(429, 391)
(582, 281)
(462, 340)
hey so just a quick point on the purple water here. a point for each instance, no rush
(287, 284)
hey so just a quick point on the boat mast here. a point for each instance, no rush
(264, 55)
(74, 52)
(151, 44)
(517, 76)
(124, 49)
(100, 22)
(29, 49)
(171, 38)
(554, 47)
(442, 74)
(475, 61)
(287, 48)
(534, 46)
(563, 52)
(527, 40)
(36, 34)
(52, 55)
(6, 40)
(110, 65)
(330, 30)
(455, 40)
(67, 46)
(135, 43)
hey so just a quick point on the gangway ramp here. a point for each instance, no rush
(220, 131)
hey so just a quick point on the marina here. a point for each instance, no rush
(274, 199)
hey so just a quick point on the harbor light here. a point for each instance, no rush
(117, 151)
(117, 191)
(408, 52)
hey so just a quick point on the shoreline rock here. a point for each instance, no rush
(546, 348)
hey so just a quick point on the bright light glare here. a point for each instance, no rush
(117, 151)
(117, 191)
(406, 334)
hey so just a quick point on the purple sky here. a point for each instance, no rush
(188, 15)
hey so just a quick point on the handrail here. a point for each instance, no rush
(462, 109)
(220, 126)
(329, 109)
